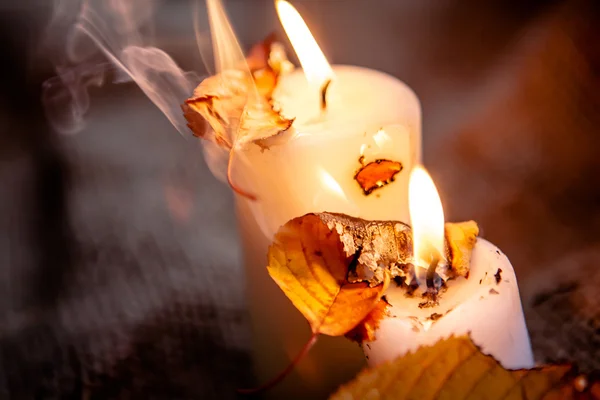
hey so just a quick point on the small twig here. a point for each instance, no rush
(324, 94)
(236, 189)
(286, 371)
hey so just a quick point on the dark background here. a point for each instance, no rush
(120, 270)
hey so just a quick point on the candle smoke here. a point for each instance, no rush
(83, 34)
(121, 31)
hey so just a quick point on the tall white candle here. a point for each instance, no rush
(312, 169)
(487, 309)
(369, 113)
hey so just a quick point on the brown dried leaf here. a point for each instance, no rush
(377, 174)
(267, 61)
(236, 115)
(235, 103)
(308, 262)
(456, 369)
(365, 330)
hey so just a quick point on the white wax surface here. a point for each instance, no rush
(313, 170)
(491, 312)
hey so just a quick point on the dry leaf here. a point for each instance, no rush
(377, 174)
(335, 270)
(319, 260)
(365, 330)
(456, 369)
(235, 102)
(309, 263)
(233, 108)
(375, 247)
(460, 240)
(235, 112)
(267, 61)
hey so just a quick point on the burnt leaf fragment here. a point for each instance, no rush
(377, 174)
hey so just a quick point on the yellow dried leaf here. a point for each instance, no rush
(308, 262)
(456, 369)
(460, 240)
(324, 262)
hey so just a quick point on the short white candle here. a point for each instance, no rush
(485, 304)
(311, 169)
(490, 311)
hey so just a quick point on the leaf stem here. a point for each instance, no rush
(233, 186)
(286, 371)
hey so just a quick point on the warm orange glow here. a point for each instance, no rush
(315, 65)
(426, 217)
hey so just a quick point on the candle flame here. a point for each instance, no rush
(315, 65)
(426, 217)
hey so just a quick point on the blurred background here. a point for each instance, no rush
(120, 266)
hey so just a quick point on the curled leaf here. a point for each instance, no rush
(456, 369)
(379, 249)
(309, 262)
(234, 112)
(233, 108)
(236, 103)
(327, 264)
(267, 61)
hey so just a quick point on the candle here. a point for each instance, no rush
(486, 304)
(369, 116)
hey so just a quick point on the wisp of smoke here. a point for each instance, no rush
(82, 32)
(121, 31)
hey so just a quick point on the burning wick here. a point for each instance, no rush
(317, 70)
(427, 220)
(431, 272)
(324, 94)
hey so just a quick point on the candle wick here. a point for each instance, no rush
(324, 94)
(431, 272)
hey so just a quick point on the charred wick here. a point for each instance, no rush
(431, 273)
(324, 89)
